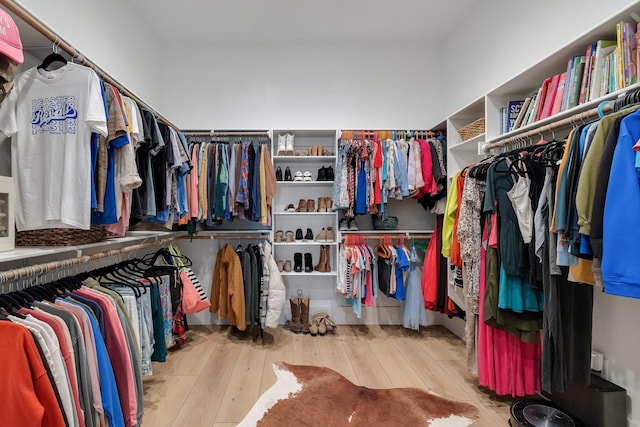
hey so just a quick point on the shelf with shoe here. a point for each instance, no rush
(304, 226)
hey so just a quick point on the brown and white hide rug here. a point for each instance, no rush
(316, 396)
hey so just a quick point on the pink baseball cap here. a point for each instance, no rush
(10, 44)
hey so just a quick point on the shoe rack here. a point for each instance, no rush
(292, 197)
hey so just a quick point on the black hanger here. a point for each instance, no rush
(51, 59)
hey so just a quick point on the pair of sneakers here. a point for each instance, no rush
(299, 176)
(348, 224)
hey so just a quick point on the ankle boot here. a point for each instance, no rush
(330, 176)
(330, 236)
(308, 263)
(278, 174)
(280, 265)
(282, 148)
(311, 205)
(287, 266)
(321, 263)
(289, 143)
(294, 324)
(302, 206)
(297, 262)
(287, 174)
(304, 315)
(309, 235)
(329, 202)
(322, 174)
(298, 233)
(327, 258)
(322, 204)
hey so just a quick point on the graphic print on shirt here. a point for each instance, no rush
(54, 115)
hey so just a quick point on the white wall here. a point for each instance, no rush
(500, 39)
(302, 86)
(111, 36)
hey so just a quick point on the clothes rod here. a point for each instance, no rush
(226, 133)
(39, 26)
(549, 128)
(38, 269)
(391, 234)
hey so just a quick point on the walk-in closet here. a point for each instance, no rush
(344, 213)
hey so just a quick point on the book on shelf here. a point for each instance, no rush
(637, 53)
(565, 95)
(557, 103)
(550, 98)
(543, 97)
(576, 80)
(503, 120)
(527, 115)
(513, 110)
(586, 74)
(630, 67)
(603, 49)
(536, 105)
(522, 113)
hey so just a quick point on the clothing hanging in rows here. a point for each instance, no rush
(97, 333)
(85, 154)
(371, 171)
(247, 288)
(232, 181)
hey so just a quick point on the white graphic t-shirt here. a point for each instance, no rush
(49, 116)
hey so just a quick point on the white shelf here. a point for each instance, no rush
(304, 159)
(314, 273)
(470, 144)
(304, 213)
(305, 183)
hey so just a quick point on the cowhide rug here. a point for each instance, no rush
(316, 396)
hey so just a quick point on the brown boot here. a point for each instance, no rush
(320, 266)
(322, 204)
(329, 204)
(327, 258)
(330, 235)
(302, 206)
(304, 314)
(311, 205)
(294, 324)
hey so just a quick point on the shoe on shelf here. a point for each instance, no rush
(308, 263)
(327, 258)
(289, 144)
(344, 225)
(309, 235)
(282, 145)
(280, 265)
(302, 206)
(297, 262)
(322, 174)
(330, 175)
(277, 237)
(298, 177)
(311, 205)
(299, 234)
(322, 204)
(278, 174)
(322, 236)
(290, 208)
(330, 237)
(329, 204)
(288, 237)
(287, 174)
(353, 225)
(287, 266)
(307, 176)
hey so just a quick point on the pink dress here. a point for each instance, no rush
(506, 365)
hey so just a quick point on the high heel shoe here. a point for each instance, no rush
(278, 174)
(287, 174)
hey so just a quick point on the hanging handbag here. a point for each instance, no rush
(194, 299)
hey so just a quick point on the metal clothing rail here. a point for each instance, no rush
(226, 133)
(228, 237)
(39, 26)
(549, 128)
(359, 134)
(390, 234)
(38, 269)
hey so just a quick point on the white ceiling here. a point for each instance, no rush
(275, 21)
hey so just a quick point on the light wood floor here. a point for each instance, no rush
(218, 375)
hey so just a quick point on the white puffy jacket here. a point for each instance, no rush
(277, 296)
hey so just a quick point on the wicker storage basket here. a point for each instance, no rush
(60, 236)
(471, 130)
